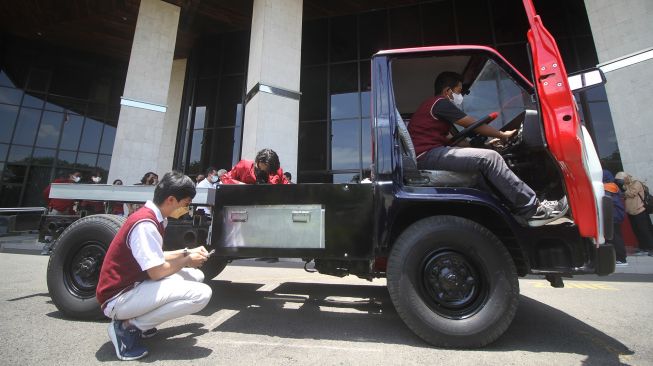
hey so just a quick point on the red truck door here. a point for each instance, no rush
(568, 140)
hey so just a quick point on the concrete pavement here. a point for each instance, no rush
(277, 314)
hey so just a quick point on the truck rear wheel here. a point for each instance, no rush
(453, 282)
(74, 266)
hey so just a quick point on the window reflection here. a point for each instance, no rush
(72, 130)
(344, 105)
(48, 135)
(86, 159)
(108, 138)
(8, 115)
(4, 148)
(495, 91)
(28, 122)
(19, 154)
(91, 135)
(345, 144)
(10, 96)
(44, 156)
(5, 80)
(66, 158)
(33, 101)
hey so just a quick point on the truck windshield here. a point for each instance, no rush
(494, 90)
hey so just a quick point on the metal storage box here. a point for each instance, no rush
(274, 226)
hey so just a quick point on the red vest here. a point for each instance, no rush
(425, 129)
(120, 269)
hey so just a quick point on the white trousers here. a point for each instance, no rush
(151, 303)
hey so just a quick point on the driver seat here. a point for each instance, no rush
(431, 178)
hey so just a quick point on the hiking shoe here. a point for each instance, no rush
(548, 211)
(126, 341)
(621, 263)
(149, 333)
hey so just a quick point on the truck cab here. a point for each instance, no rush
(450, 248)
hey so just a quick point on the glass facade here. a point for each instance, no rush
(211, 121)
(335, 135)
(334, 112)
(58, 112)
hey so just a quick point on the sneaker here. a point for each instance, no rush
(621, 263)
(548, 211)
(557, 206)
(149, 333)
(125, 341)
(640, 253)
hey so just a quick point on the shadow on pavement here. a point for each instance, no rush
(538, 327)
(174, 343)
(615, 277)
(361, 313)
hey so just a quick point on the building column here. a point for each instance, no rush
(620, 31)
(272, 109)
(143, 140)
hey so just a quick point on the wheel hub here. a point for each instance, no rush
(84, 269)
(451, 282)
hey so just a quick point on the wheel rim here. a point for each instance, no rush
(82, 271)
(453, 285)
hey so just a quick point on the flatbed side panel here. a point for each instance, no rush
(123, 193)
(348, 218)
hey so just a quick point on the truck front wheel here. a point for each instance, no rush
(453, 282)
(74, 266)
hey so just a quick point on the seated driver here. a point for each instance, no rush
(429, 127)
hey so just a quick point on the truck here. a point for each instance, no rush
(451, 251)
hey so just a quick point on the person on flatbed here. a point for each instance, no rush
(265, 168)
(140, 285)
(429, 128)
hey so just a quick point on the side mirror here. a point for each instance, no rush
(586, 79)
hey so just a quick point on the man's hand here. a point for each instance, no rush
(200, 249)
(197, 259)
(506, 135)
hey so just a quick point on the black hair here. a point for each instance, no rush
(269, 157)
(174, 184)
(209, 170)
(146, 176)
(446, 79)
(288, 175)
(117, 180)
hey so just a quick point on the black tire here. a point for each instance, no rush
(213, 267)
(453, 282)
(75, 263)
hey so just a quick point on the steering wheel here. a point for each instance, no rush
(470, 129)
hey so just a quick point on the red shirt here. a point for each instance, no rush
(425, 129)
(244, 172)
(64, 206)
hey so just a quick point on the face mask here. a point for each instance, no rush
(76, 179)
(179, 212)
(214, 179)
(96, 179)
(458, 100)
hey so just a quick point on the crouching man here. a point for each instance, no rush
(140, 285)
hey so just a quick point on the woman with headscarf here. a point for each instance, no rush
(639, 218)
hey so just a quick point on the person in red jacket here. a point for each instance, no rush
(58, 206)
(265, 168)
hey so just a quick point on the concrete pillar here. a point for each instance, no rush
(143, 135)
(618, 31)
(272, 113)
(171, 121)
